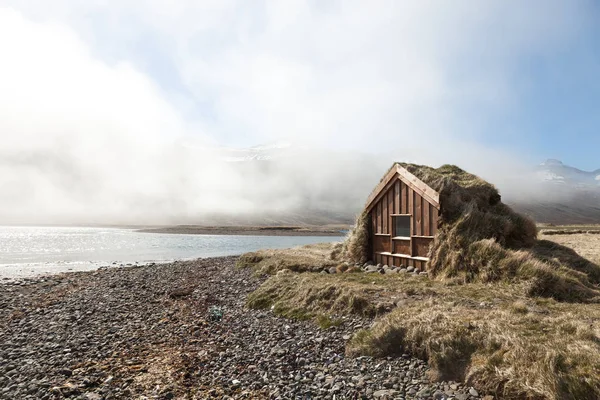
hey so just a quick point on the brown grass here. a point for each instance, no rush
(514, 349)
(355, 249)
(586, 245)
(313, 257)
(292, 294)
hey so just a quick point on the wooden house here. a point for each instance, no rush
(403, 214)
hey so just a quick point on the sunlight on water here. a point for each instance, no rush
(38, 250)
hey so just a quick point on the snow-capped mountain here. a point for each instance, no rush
(555, 171)
(561, 195)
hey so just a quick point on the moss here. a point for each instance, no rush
(325, 321)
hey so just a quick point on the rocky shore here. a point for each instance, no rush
(154, 332)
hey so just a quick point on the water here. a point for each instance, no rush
(29, 251)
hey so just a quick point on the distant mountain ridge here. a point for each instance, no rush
(556, 171)
(565, 195)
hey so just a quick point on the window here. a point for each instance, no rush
(401, 225)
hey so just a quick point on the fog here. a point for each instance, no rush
(93, 131)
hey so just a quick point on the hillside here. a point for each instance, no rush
(562, 195)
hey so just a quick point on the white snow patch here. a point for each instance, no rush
(550, 176)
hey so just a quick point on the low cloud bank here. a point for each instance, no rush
(92, 139)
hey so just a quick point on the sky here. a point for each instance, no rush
(98, 95)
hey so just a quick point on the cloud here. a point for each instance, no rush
(92, 125)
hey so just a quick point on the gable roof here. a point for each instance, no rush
(399, 172)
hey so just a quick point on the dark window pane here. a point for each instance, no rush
(402, 225)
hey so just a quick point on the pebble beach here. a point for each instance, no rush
(148, 332)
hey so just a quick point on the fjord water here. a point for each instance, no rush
(30, 251)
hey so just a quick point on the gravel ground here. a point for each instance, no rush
(145, 333)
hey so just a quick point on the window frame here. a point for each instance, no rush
(408, 228)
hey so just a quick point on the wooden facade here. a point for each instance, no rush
(403, 213)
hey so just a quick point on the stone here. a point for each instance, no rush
(410, 269)
(473, 392)
(289, 358)
(391, 271)
(417, 270)
(438, 395)
(423, 273)
(332, 270)
(383, 393)
(402, 270)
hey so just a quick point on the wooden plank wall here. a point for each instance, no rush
(421, 246)
(402, 246)
(381, 243)
(400, 262)
(399, 198)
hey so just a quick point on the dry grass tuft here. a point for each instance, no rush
(348, 293)
(514, 350)
(313, 257)
(355, 249)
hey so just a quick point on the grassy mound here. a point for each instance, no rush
(305, 295)
(523, 349)
(309, 258)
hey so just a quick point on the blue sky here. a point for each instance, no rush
(560, 94)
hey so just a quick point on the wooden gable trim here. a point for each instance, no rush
(419, 186)
(398, 172)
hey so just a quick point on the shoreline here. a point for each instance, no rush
(248, 230)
